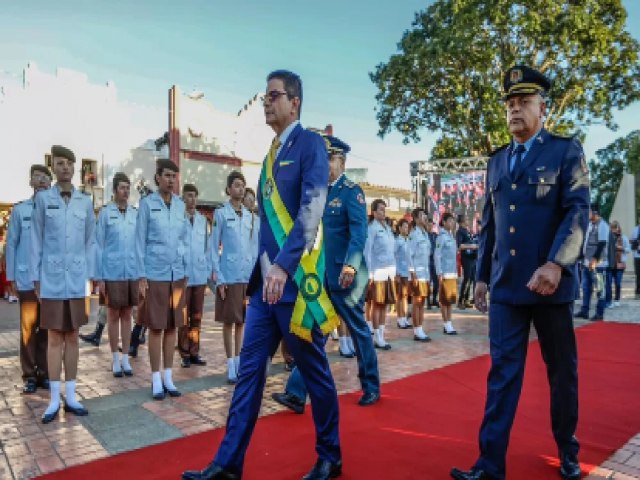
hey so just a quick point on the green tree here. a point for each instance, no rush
(447, 74)
(623, 155)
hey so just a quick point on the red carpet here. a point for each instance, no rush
(427, 423)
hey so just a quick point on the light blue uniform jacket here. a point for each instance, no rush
(116, 244)
(402, 256)
(200, 260)
(380, 247)
(419, 251)
(162, 239)
(18, 245)
(62, 244)
(445, 256)
(239, 240)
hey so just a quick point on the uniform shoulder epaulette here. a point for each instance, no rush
(86, 193)
(506, 145)
(349, 183)
(562, 137)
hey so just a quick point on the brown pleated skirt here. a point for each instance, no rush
(383, 292)
(121, 293)
(164, 306)
(402, 286)
(448, 293)
(231, 309)
(64, 315)
(419, 288)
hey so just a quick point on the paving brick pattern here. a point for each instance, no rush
(28, 448)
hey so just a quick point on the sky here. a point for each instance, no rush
(225, 48)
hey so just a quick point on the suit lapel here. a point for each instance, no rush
(505, 164)
(532, 154)
(284, 151)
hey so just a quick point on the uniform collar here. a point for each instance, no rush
(528, 143)
(337, 180)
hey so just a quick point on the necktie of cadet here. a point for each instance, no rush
(518, 160)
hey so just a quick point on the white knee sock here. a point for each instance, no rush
(231, 369)
(125, 361)
(54, 397)
(70, 394)
(370, 325)
(382, 340)
(350, 345)
(168, 380)
(236, 361)
(156, 383)
(116, 362)
(344, 346)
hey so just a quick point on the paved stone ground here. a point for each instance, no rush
(123, 416)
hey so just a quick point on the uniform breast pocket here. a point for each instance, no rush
(78, 264)
(52, 222)
(79, 219)
(543, 185)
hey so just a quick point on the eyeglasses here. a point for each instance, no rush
(273, 95)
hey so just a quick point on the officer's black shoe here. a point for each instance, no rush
(569, 467)
(30, 386)
(369, 398)
(211, 472)
(346, 355)
(43, 383)
(78, 411)
(291, 402)
(186, 362)
(324, 470)
(582, 314)
(596, 318)
(198, 360)
(473, 474)
(50, 417)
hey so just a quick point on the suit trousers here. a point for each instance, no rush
(352, 313)
(33, 339)
(265, 326)
(509, 338)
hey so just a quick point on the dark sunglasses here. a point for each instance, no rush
(273, 95)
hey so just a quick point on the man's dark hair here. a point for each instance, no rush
(190, 187)
(292, 84)
(40, 168)
(446, 216)
(120, 177)
(248, 191)
(233, 176)
(163, 163)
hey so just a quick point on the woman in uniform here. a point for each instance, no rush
(419, 249)
(62, 262)
(162, 238)
(446, 268)
(117, 269)
(402, 273)
(379, 255)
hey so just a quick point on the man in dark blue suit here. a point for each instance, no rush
(533, 226)
(346, 277)
(293, 185)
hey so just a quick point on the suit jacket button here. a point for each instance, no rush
(513, 252)
(512, 229)
(513, 208)
(513, 186)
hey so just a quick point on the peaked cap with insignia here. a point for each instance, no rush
(523, 80)
(335, 146)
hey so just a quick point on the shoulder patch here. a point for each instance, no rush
(360, 198)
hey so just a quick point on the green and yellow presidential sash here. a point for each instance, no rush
(312, 303)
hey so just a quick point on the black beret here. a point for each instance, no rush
(40, 168)
(60, 151)
(163, 163)
(523, 80)
(190, 187)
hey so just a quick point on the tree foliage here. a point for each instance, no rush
(623, 155)
(447, 74)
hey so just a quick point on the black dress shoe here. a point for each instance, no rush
(198, 360)
(324, 470)
(50, 417)
(289, 401)
(158, 396)
(30, 386)
(452, 332)
(173, 393)
(78, 411)
(127, 372)
(369, 398)
(596, 318)
(43, 383)
(118, 374)
(421, 339)
(212, 472)
(582, 315)
(569, 467)
(473, 474)
(186, 362)
(386, 346)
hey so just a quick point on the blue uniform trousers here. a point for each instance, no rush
(588, 283)
(509, 338)
(351, 311)
(265, 326)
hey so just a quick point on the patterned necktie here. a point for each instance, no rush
(518, 160)
(273, 151)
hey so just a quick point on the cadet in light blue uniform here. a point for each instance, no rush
(539, 180)
(62, 262)
(445, 259)
(402, 273)
(162, 240)
(33, 340)
(117, 269)
(198, 274)
(379, 254)
(234, 230)
(346, 277)
(419, 253)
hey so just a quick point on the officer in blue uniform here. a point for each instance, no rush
(346, 277)
(538, 179)
(299, 178)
